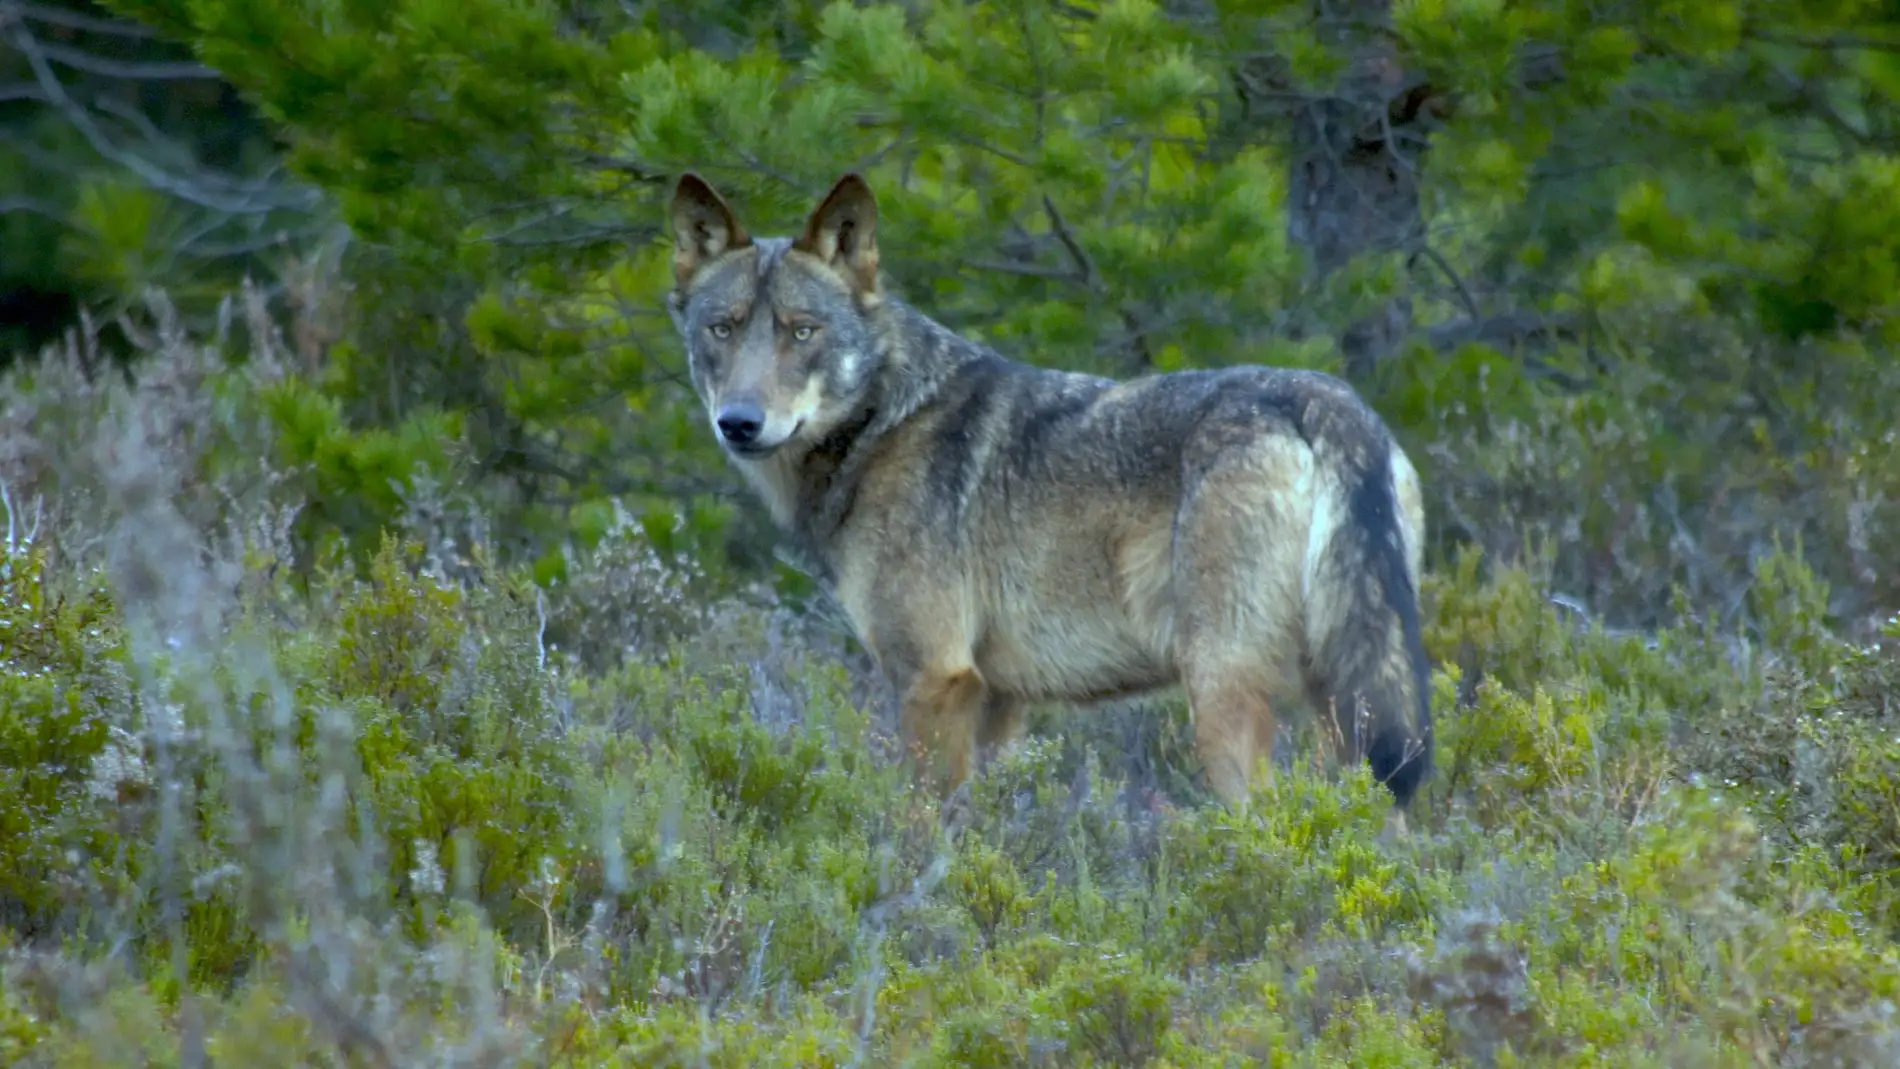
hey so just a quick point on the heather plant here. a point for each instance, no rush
(650, 866)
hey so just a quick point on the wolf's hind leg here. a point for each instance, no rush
(1239, 550)
(1233, 729)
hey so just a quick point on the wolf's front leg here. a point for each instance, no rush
(941, 713)
(914, 616)
(1002, 728)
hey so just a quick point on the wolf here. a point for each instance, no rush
(1001, 534)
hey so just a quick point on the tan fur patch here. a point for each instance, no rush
(941, 714)
(1234, 727)
(775, 479)
(1145, 564)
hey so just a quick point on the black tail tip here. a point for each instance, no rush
(1402, 763)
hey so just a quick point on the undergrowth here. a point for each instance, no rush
(272, 809)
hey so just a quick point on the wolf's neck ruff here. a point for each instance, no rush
(915, 357)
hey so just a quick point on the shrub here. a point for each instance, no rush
(1304, 859)
(372, 812)
(68, 757)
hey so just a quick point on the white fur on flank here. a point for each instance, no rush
(1325, 518)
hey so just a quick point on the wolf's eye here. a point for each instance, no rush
(803, 333)
(722, 331)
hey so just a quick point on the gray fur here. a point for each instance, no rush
(1003, 534)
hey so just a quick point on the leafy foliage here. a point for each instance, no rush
(1639, 270)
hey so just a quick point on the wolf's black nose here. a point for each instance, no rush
(741, 422)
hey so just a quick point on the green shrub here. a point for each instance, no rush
(1110, 1009)
(1306, 858)
(68, 758)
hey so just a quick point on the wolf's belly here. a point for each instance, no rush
(1065, 658)
(1082, 626)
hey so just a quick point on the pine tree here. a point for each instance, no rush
(1667, 224)
(123, 165)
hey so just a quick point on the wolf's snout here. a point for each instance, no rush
(741, 422)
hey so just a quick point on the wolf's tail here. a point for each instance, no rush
(1367, 656)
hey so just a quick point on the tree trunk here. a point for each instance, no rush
(1356, 152)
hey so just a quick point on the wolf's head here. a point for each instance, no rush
(777, 333)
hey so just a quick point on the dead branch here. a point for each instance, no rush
(73, 20)
(31, 206)
(1465, 296)
(201, 189)
(132, 70)
(1085, 272)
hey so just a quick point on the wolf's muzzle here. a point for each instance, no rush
(740, 423)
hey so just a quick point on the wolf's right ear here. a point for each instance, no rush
(703, 227)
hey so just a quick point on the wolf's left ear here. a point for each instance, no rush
(703, 227)
(843, 233)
